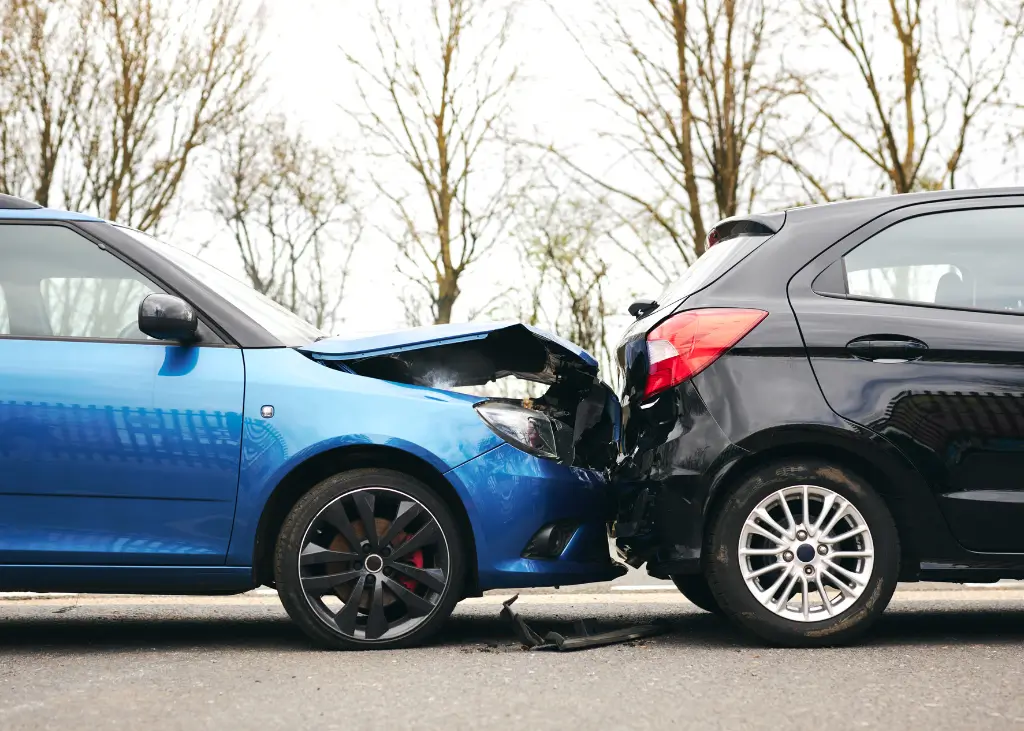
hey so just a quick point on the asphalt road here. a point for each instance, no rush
(937, 660)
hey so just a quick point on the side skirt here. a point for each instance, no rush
(977, 569)
(127, 579)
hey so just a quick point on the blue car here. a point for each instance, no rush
(166, 429)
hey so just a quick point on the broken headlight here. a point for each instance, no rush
(529, 430)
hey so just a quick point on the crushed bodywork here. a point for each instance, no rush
(587, 634)
(455, 356)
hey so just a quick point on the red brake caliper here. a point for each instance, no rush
(416, 559)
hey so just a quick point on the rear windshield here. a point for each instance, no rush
(712, 264)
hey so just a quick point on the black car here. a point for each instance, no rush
(831, 400)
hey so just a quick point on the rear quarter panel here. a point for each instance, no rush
(766, 397)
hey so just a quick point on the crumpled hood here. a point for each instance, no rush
(459, 355)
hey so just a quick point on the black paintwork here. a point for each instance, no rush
(940, 436)
(13, 203)
(642, 307)
(765, 223)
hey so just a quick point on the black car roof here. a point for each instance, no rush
(882, 204)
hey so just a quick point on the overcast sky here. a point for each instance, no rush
(311, 81)
(309, 78)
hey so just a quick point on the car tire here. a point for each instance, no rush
(695, 588)
(396, 587)
(854, 545)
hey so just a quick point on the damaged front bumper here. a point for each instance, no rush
(512, 498)
(539, 504)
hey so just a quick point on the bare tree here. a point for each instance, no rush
(692, 87)
(109, 101)
(291, 215)
(436, 102)
(45, 58)
(925, 73)
(563, 234)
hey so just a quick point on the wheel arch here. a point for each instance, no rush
(888, 474)
(304, 476)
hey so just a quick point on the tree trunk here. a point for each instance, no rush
(447, 293)
(686, 128)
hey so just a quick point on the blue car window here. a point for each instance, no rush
(93, 307)
(277, 320)
(56, 283)
(5, 325)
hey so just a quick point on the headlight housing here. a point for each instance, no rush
(529, 430)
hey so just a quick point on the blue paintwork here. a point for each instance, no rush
(509, 494)
(43, 214)
(317, 408)
(147, 467)
(433, 335)
(129, 466)
(117, 453)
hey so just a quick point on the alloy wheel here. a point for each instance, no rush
(374, 564)
(806, 553)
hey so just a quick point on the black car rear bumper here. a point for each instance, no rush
(665, 483)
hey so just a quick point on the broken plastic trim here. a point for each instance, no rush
(586, 636)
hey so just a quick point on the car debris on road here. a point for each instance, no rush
(585, 638)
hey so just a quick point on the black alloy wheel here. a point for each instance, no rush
(369, 559)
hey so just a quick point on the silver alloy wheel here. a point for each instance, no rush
(806, 553)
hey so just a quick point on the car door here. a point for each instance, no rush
(915, 329)
(114, 448)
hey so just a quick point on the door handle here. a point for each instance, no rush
(887, 348)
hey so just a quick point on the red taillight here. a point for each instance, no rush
(685, 344)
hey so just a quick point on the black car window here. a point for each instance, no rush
(971, 259)
(712, 264)
(57, 283)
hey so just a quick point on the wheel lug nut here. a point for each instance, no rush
(388, 572)
(366, 548)
(359, 565)
(787, 556)
(822, 549)
(386, 551)
(808, 570)
(801, 535)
